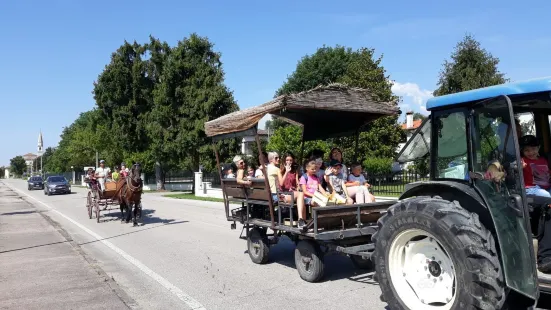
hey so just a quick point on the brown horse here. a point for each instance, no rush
(129, 194)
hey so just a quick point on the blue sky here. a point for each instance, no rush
(52, 51)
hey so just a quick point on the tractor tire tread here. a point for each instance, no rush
(488, 291)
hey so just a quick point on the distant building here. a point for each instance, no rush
(29, 160)
(249, 142)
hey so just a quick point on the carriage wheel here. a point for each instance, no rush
(89, 204)
(97, 210)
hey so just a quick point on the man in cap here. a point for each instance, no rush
(101, 174)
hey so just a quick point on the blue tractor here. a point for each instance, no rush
(477, 235)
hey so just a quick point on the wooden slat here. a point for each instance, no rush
(235, 192)
(259, 194)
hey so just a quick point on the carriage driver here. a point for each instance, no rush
(101, 174)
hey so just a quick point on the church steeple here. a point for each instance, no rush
(40, 142)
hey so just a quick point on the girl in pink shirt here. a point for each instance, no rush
(310, 184)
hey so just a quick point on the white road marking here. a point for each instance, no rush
(188, 300)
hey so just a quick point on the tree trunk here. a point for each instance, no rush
(159, 176)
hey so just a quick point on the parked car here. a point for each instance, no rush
(35, 182)
(57, 185)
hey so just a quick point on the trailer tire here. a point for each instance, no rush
(257, 246)
(309, 261)
(361, 263)
(422, 240)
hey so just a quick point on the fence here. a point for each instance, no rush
(393, 184)
(172, 177)
(213, 177)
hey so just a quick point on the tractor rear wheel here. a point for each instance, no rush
(431, 253)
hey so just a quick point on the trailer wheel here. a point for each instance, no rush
(433, 254)
(309, 261)
(361, 263)
(257, 246)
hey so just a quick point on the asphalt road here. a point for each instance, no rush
(186, 257)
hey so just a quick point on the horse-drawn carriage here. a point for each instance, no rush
(125, 192)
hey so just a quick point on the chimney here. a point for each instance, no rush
(409, 119)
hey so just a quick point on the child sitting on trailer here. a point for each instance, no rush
(334, 177)
(310, 183)
(358, 186)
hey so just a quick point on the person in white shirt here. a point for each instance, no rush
(101, 174)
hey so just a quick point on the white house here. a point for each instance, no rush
(248, 143)
(29, 160)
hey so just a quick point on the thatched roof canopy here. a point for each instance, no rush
(325, 111)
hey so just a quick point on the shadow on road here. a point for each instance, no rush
(18, 212)
(337, 266)
(133, 232)
(147, 217)
(112, 237)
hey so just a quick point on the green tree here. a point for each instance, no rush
(470, 67)
(18, 165)
(2, 172)
(123, 93)
(418, 116)
(190, 93)
(288, 139)
(358, 68)
(80, 141)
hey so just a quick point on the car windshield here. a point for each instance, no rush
(56, 179)
(36, 179)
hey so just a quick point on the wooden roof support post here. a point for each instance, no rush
(226, 202)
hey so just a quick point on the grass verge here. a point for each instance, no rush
(193, 197)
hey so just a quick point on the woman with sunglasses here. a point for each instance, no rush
(241, 172)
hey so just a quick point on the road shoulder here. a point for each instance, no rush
(42, 267)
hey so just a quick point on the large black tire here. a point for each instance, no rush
(471, 247)
(257, 246)
(360, 263)
(309, 261)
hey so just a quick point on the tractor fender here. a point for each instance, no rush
(467, 196)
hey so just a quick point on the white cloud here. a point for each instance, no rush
(413, 92)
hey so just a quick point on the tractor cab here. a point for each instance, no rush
(471, 141)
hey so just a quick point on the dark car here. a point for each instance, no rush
(57, 185)
(35, 183)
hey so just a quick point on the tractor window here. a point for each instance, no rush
(418, 145)
(451, 159)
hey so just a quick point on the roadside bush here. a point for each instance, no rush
(377, 166)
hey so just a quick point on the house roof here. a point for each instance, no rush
(29, 156)
(416, 124)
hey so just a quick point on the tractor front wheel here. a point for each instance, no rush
(433, 254)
